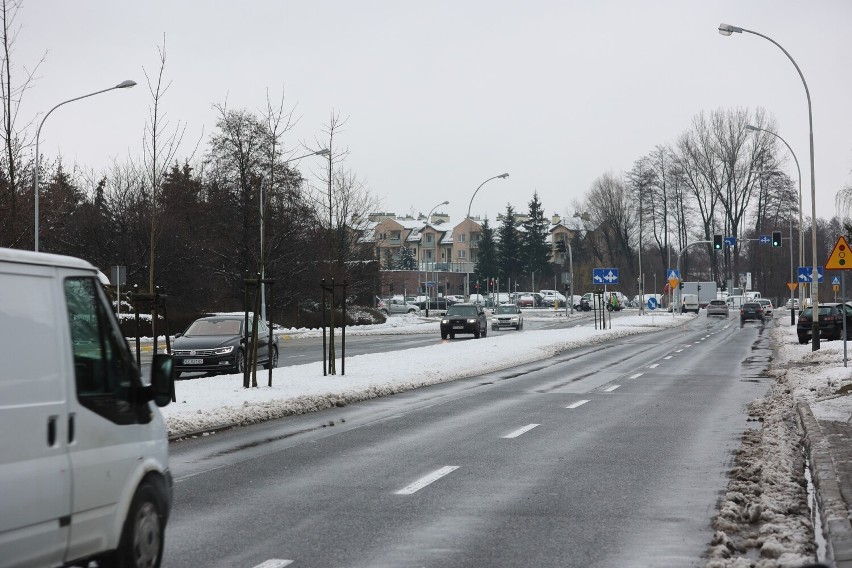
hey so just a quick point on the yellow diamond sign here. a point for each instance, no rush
(841, 256)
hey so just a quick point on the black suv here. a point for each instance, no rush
(464, 318)
(751, 311)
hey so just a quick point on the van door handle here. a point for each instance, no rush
(51, 431)
(71, 432)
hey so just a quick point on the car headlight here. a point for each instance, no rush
(445, 321)
(223, 350)
(471, 320)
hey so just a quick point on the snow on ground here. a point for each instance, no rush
(214, 402)
(764, 520)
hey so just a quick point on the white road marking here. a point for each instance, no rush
(654, 366)
(636, 376)
(424, 481)
(679, 350)
(577, 404)
(520, 431)
(274, 563)
(612, 388)
(668, 357)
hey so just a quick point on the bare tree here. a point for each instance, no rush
(12, 230)
(610, 204)
(160, 147)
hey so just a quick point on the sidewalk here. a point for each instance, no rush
(828, 446)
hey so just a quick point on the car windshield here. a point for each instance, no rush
(717, 302)
(461, 311)
(215, 327)
(751, 306)
(507, 310)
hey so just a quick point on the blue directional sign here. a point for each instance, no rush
(652, 303)
(765, 240)
(673, 274)
(805, 272)
(604, 276)
(730, 241)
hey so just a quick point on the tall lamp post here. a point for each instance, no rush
(726, 30)
(425, 265)
(123, 85)
(801, 223)
(323, 152)
(467, 272)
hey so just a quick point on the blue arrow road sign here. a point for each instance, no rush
(605, 276)
(673, 274)
(652, 303)
(765, 240)
(805, 272)
(730, 241)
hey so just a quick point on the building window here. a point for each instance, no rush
(429, 239)
(461, 238)
(461, 254)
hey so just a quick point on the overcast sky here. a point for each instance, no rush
(443, 95)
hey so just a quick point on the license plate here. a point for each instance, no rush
(193, 361)
(458, 327)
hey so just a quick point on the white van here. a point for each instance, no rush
(689, 303)
(83, 451)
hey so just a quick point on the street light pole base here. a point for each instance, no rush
(815, 333)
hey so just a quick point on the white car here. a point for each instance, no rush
(766, 304)
(507, 316)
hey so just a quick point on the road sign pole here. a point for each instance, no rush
(845, 309)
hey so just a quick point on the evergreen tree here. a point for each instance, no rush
(406, 259)
(486, 262)
(509, 259)
(534, 247)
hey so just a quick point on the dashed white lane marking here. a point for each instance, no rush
(654, 366)
(274, 563)
(424, 481)
(679, 351)
(520, 431)
(668, 357)
(636, 376)
(577, 404)
(612, 388)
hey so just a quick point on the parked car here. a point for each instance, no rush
(464, 318)
(767, 307)
(437, 305)
(399, 305)
(830, 321)
(792, 303)
(551, 297)
(717, 308)
(751, 311)
(214, 344)
(507, 316)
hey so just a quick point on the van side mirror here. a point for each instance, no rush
(162, 379)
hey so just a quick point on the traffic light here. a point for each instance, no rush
(680, 285)
(717, 242)
(776, 238)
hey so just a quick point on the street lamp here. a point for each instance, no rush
(123, 85)
(425, 265)
(323, 152)
(801, 223)
(467, 264)
(726, 30)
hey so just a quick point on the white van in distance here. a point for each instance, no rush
(83, 451)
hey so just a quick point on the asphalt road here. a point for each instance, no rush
(608, 456)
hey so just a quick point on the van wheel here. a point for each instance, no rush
(141, 544)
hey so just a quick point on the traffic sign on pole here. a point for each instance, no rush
(840, 258)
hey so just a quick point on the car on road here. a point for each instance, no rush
(751, 311)
(464, 318)
(507, 317)
(689, 303)
(717, 308)
(830, 321)
(214, 344)
(792, 303)
(437, 305)
(767, 307)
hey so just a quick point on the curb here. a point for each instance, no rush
(833, 512)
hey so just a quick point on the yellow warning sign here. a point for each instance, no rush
(792, 285)
(841, 257)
